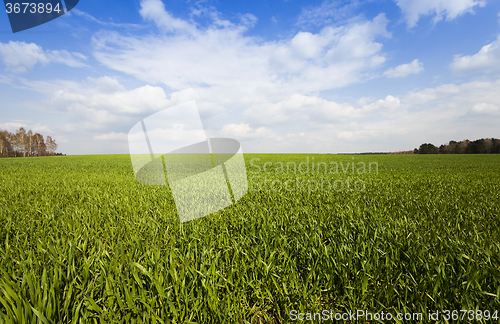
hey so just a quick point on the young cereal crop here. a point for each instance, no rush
(82, 242)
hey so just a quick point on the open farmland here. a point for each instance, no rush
(82, 241)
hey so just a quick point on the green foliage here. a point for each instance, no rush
(480, 146)
(428, 148)
(82, 242)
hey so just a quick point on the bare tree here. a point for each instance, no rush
(4, 143)
(29, 142)
(463, 146)
(23, 143)
(51, 145)
(39, 144)
(21, 140)
(488, 144)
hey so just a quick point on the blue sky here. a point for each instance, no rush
(280, 76)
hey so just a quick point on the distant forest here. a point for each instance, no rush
(24, 143)
(480, 146)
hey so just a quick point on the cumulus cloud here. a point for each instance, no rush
(457, 100)
(12, 126)
(243, 130)
(440, 9)
(316, 110)
(298, 108)
(311, 123)
(221, 57)
(154, 10)
(356, 135)
(112, 136)
(36, 128)
(389, 105)
(486, 60)
(485, 108)
(393, 123)
(20, 57)
(267, 94)
(39, 128)
(404, 70)
(101, 102)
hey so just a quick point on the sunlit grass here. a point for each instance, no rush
(80, 239)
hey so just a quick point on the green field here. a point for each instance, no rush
(81, 241)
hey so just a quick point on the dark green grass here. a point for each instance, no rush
(81, 241)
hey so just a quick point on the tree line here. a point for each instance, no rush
(24, 143)
(480, 146)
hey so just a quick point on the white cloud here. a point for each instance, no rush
(486, 60)
(463, 95)
(244, 130)
(249, 20)
(451, 111)
(307, 44)
(299, 108)
(389, 105)
(20, 57)
(42, 129)
(448, 9)
(154, 10)
(356, 135)
(12, 126)
(220, 58)
(469, 108)
(112, 137)
(268, 94)
(308, 123)
(103, 101)
(485, 108)
(316, 110)
(404, 70)
(35, 128)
